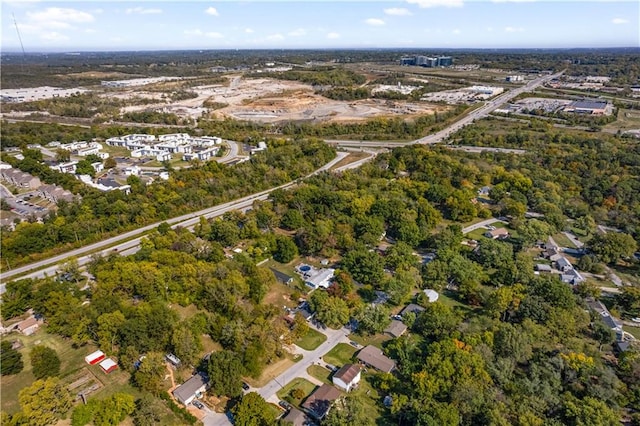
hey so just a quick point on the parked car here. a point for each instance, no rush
(635, 319)
(354, 344)
(198, 404)
(245, 386)
(284, 404)
(331, 367)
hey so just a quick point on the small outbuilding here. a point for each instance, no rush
(94, 358)
(108, 365)
(431, 294)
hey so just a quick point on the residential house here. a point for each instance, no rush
(192, 388)
(319, 402)
(314, 277)
(541, 267)
(282, 277)
(497, 234)
(19, 178)
(28, 326)
(66, 167)
(598, 307)
(563, 264)
(296, 417)
(347, 377)
(411, 307)
(55, 193)
(395, 329)
(572, 277)
(373, 357)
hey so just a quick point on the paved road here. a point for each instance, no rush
(479, 149)
(478, 113)
(49, 266)
(479, 225)
(574, 240)
(299, 369)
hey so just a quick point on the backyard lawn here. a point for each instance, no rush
(320, 373)
(376, 340)
(306, 386)
(340, 355)
(311, 340)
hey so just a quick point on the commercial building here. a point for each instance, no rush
(37, 93)
(590, 107)
(136, 82)
(427, 61)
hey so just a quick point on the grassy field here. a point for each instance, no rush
(311, 340)
(320, 373)
(72, 359)
(562, 240)
(306, 386)
(280, 295)
(271, 371)
(340, 355)
(376, 340)
(371, 398)
(626, 119)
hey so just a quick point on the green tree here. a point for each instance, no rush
(333, 312)
(110, 163)
(588, 412)
(286, 249)
(151, 373)
(84, 167)
(349, 411)
(252, 410)
(373, 319)
(364, 266)
(109, 325)
(44, 402)
(62, 155)
(44, 362)
(436, 321)
(147, 412)
(225, 373)
(186, 344)
(10, 359)
(612, 246)
(113, 410)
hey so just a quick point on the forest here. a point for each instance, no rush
(99, 214)
(513, 348)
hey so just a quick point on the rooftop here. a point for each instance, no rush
(396, 328)
(319, 402)
(374, 357)
(191, 386)
(347, 373)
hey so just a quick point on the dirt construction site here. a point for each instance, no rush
(270, 101)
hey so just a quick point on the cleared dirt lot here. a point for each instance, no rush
(269, 101)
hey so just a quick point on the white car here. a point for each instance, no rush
(635, 319)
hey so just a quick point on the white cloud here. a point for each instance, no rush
(513, 29)
(212, 11)
(199, 33)
(333, 36)
(619, 21)
(398, 11)
(297, 33)
(374, 22)
(275, 37)
(248, 31)
(143, 11)
(456, 31)
(54, 37)
(57, 18)
(513, 1)
(490, 29)
(90, 31)
(436, 3)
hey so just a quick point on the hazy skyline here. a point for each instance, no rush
(154, 25)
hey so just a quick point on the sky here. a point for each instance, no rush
(48, 25)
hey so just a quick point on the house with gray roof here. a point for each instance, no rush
(374, 357)
(192, 388)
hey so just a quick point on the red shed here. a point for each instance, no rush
(94, 358)
(108, 365)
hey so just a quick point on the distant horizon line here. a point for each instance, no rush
(78, 51)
